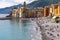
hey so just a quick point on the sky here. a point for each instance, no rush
(8, 3)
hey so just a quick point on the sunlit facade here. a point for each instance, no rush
(52, 10)
(46, 11)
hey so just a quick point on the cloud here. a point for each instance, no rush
(21, 1)
(7, 3)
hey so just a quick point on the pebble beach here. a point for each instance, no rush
(49, 30)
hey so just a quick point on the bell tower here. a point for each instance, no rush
(24, 5)
(24, 10)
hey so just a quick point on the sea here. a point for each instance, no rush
(18, 29)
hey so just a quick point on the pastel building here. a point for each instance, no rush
(52, 10)
(22, 12)
(14, 12)
(38, 12)
(59, 8)
(19, 12)
(55, 10)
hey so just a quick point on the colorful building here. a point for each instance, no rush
(25, 12)
(46, 11)
(20, 11)
(55, 9)
(59, 8)
(38, 12)
(14, 12)
(52, 10)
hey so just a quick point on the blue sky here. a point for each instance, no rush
(7, 3)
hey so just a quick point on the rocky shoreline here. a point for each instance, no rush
(49, 30)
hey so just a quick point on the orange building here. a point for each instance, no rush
(55, 9)
(52, 10)
(46, 11)
(58, 8)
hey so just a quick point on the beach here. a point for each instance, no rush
(49, 30)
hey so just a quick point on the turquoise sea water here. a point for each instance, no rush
(18, 30)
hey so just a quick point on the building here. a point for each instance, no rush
(20, 11)
(46, 11)
(59, 8)
(14, 12)
(55, 9)
(52, 10)
(25, 12)
(38, 12)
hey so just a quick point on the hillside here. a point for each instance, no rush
(34, 4)
(8, 9)
(42, 3)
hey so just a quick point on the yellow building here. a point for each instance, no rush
(23, 11)
(52, 10)
(58, 8)
(19, 12)
(55, 9)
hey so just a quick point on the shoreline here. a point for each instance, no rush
(5, 18)
(41, 22)
(44, 37)
(8, 18)
(49, 30)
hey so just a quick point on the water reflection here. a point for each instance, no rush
(23, 28)
(19, 22)
(16, 29)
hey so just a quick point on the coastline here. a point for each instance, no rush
(49, 30)
(8, 18)
(5, 18)
(44, 37)
(41, 22)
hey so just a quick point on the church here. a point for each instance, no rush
(25, 12)
(20, 11)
